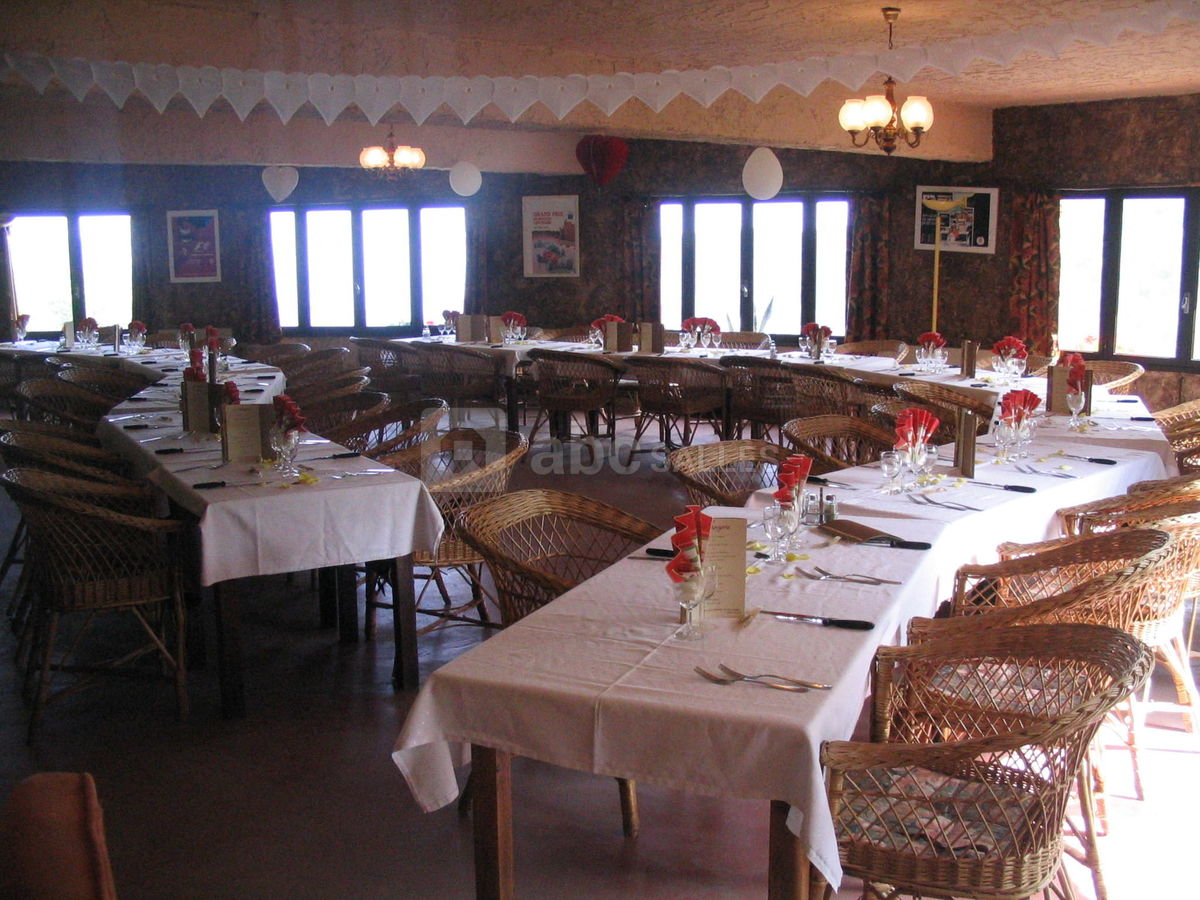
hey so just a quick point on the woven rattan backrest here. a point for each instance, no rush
(760, 390)
(1181, 417)
(837, 442)
(677, 386)
(540, 543)
(329, 414)
(944, 399)
(108, 383)
(883, 416)
(54, 401)
(567, 381)
(305, 394)
(726, 473)
(313, 366)
(459, 374)
(62, 432)
(397, 426)
(269, 354)
(1123, 509)
(896, 350)
(35, 451)
(1114, 374)
(393, 364)
(742, 340)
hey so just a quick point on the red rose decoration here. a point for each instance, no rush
(231, 393)
(931, 339)
(187, 328)
(513, 320)
(137, 327)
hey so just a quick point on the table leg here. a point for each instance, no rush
(510, 404)
(346, 584)
(327, 596)
(491, 773)
(404, 617)
(229, 653)
(788, 872)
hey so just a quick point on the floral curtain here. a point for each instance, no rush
(475, 298)
(1034, 262)
(869, 269)
(640, 261)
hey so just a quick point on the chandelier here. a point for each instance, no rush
(878, 117)
(391, 160)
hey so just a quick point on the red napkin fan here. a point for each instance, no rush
(915, 427)
(792, 475)
(1076, 371)
(692, 528)
(1015, 406)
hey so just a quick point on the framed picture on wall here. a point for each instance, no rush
(550, 235)
(967, 217)
(194, 245)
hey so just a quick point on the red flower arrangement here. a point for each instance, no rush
(89, 324)
(287, 414)
(931, 339)
(230, 393)
(607, 317)
(1076, 372)
(513, 320)
(813, 330)
(1010, 347)
(137, 327)
(187, 328)
(701, 325)
(194, 373)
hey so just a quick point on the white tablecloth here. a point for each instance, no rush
(595, 681)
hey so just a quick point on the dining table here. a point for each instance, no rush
(599, 680)
(343, 509)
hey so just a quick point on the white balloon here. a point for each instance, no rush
(762, 176)
(465, 178)
(280, 181)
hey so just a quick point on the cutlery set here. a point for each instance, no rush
(852, 577)
(926, 500)
(778, 682)
(1030, 470)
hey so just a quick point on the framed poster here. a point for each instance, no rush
(194, 245)
(968, 225)
(550, 234)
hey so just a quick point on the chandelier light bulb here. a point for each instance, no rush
(877, 112)
(851, 116)
(917, 114)
(373, 158)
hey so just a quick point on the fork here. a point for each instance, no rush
(734, 673)
(874, 578)
(717, 679)
(1030, 470)
(944, 504)
(829, 576)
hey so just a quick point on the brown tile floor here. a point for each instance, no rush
(301, 799)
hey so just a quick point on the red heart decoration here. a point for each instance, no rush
(602, 157)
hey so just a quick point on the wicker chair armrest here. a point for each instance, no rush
(944, 756)
(140, 523)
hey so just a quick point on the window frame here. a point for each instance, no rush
(808, 251)
(1110, 286)
(356, 209)
(75, 257)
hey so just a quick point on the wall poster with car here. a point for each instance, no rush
(550, 230)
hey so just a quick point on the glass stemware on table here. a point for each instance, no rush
(284, 444)
(1076, 401)
(692, 593)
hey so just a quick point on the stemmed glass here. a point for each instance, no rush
(1006, 436)
(716, 340)
(692, 593)
(1075, 403)
(285, 443)
(892, 467)
(1016, 368)
(19, 330)
(775, 526)
(687, 340)
(705, 339)
(226, 345)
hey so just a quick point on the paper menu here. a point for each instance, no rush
(244, 429)
(725, 550)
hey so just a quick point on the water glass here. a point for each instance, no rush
(1076, 400)
(716, 340)
(705, 339)
(285, 444)
(692, 593)
(775, 527)
(19, 331)
(892, 467)
(829, 348)
(1005, 437)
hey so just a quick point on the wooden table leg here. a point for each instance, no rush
(510, 404)
(229, 653)
(346, 583)
(491, 773)
(787, 867)
(327, 596)
(405, 674)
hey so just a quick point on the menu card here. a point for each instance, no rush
(618, 336)
(964, 447)
(197, 404)
(650, 337)
(484, 329)
(68, 335)
(725, 550)
(970, 359)
(1056, 391)
(245, 431)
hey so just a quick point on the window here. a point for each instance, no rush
(1128, 280)
(66, 268)
(369, 268)
(755, 266)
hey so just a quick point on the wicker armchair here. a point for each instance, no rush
(742, 340)
(676, 393)
(976, 743)
(89, 558)
(306, 394)
(394, 366)
(569, 383)
(460, 468)
(269, 354)
(462, 376)
(1182, 418)
(1115, 375)
(728, 472)
(59, 403)
(111, 384)
(328, 415)
(883, 416)
(837, 442)
(766, 393)
(48, 429)
(897, 350)
(946, 401)
(316, 366)
(396, 427)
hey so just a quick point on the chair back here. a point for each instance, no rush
(326, 415)
(269, 354)
(541, 543)
(396, 427)
(339, 386)
(393, 365)
(1114, 374)
(678, 386)
(883, 416)
(108, 383)
(56, 402)
(897, 350)
(316, 366)
(573, 382)
(837, 442)
(946, 400)
(743, 340)
(460, 375)
(35, 451)
(726, 473)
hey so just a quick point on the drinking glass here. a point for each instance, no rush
(941, 359)
(1075, 403)
(805, 344)
(716, 340)
(924, 458)
(775, 522)
(705, 339)
(892, 467)
(285, 444)
(692, 593)
(829, 348)
(922, 358)
(793, 516)
(595, 338)
(19, 330)
(1016, 368)
(1005, 437)
(226, 345)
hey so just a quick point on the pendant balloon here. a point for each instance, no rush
(602, 157)
(762, 176)
(465, 178)
(280, 181)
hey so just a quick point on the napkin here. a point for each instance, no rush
(915, 427)
(1015, 406)
(691, 529)
(792, 476)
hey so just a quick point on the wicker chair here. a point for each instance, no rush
(306, 394)
(462, 376)
(946, 401)
(316, 366)
(567, 383)
(837, 442)
(329, 415)
(394, 366)
(897, 350)
(269, 354)
(37, 451)
(675, 393)
(742, 340)
(59, 403)
(883, 416)
(460, 468)
(49, 429)
(766, 393)
(89, 558)
(976, 742)
(111, 384)
(396, 427)
(728, 472)
(1183, 418)
(1037, 366)
(1115, 375)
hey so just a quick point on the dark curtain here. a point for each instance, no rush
(8, 312)
(475, 299)
(640, 261)
(1034, 263)
(869, 272)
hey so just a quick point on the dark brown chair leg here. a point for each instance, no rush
(630, 823)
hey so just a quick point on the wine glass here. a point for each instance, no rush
(1016, 368)
(19, 330)
(892, 467)
(285, 443)
(1075, 403)
(774, 521)
(226, 345)
(1006, 434)
(716, 340)
(706, 339)
(692, 593)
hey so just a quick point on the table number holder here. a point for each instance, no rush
(245, 432)
(199, 401)
(1056, 391)
(618, 336)
(964, 447)
(68, 335)
(970, 359)
(479, 329)
(651, 337)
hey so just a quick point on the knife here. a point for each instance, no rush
(899, 543)
(171, 451)
(821, 479)
(827, 621)
(205, 485)
(1019, 488)
(1100, 460)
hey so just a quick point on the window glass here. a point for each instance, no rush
(387, 289)
(443, 261)
(283, 255)
(1081, 245)
(106, 247)
(41, 270)
(330, 268)
(719, 263)
(778, 235)
(1151, 265)
(670, 291)
(833, 218)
